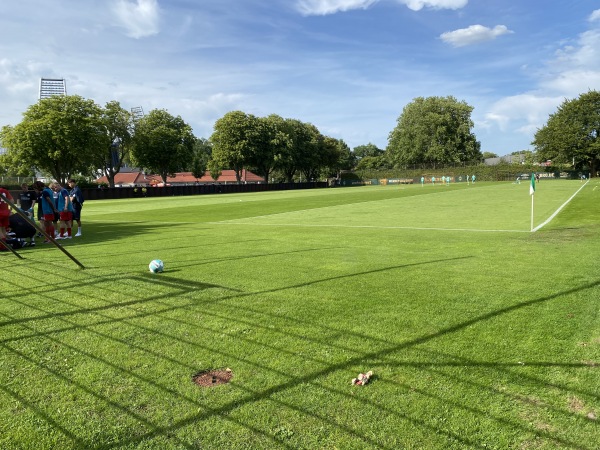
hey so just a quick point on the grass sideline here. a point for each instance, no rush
(480, 334)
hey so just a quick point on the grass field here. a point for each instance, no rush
(480, 333)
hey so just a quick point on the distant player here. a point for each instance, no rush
(77, 200)
(433, 180)
(65, 210)
(4, 213)
(422, 181)
(46, 199)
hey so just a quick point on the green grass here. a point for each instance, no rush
(480, 334)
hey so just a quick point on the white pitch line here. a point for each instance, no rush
(379, 227)
(559, 209)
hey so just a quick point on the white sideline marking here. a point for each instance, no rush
(559, 208)
(365, 226)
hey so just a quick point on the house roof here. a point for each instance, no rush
(227, 176)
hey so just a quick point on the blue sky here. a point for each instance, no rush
(347, 66)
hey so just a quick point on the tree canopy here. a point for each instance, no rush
(232, 141)
(118, 126)
(434, 130)
(571, 133)
(60, 136)
(162, 143)
(202, 155)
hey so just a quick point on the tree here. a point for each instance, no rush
(433, 130)
(118, 126)
(162, 143)
(202, 155)
(60, 136)
(572, 133)
(488, 155)
(287, 158)
(269, 140)
(336, 156)
(233, 141)
(309, 150)
(214, 169)
(372, 163)
(369, 149)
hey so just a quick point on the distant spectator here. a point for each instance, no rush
(27, 199)
(77, 200)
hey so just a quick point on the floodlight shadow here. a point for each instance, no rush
(293, 383)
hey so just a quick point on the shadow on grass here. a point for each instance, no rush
(173, 300)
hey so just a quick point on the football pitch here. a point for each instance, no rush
(480, 333)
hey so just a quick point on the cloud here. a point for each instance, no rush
(325, 7)
(473, 35)
(594, 16)
(574, 70)
(524, 112)
(140, 17)
(417, 5)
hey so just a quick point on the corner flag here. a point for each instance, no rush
(532, 186)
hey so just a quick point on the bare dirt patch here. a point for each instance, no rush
(212, 377)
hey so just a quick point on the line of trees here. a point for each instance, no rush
(65, 136)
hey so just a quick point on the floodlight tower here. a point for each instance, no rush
(137, 112)
(52, 86)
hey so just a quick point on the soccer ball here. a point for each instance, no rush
(156, 266)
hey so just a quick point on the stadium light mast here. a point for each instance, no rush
(52, 86)
(137, 112)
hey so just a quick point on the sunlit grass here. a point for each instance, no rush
(479, 333)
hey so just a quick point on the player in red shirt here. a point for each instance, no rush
(4, 212)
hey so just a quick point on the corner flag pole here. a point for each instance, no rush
(532, 192)
(50, 238)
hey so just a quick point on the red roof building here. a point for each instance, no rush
(132, 179)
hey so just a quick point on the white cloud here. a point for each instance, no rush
(417, 5)
(324, 7)
(140, 17)
(524, 112)
(594, 16)
(473, 35)
(574, 70)
(586, 54)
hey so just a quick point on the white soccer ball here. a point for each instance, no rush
(156, 266)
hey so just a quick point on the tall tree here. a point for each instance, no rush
(572, 133)
(287, 159)
(336, 156)
(233, 141)
(202, 155)
(270, 140)
(435, 130)
(59, 136)
(310, 149)
(369, 149)
(118, 126)
(162, 143)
